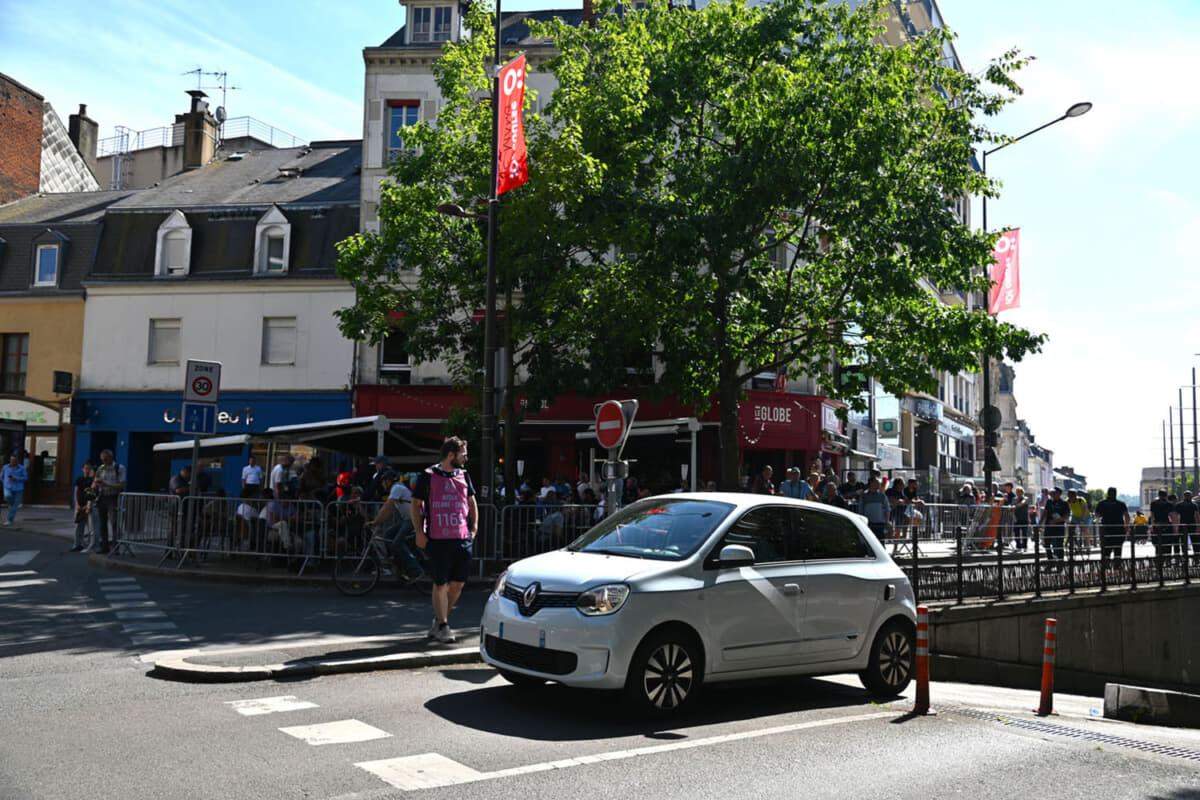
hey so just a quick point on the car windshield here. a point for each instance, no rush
(660, 528)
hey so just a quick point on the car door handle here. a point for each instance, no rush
(792, 588)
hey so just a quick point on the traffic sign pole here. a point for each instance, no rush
(613, 420)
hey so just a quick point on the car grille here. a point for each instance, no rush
(543, 600)
(537, 659)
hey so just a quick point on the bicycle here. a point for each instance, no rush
(355, 575)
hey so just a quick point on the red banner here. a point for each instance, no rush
(1006, 275)
(514, 161)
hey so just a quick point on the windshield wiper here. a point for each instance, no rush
(612, 553)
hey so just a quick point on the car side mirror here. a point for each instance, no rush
(735, 555)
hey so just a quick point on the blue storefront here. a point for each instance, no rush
(131, 423)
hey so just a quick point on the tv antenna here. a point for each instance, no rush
(222, 83)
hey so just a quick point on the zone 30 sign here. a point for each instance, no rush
(203, 382)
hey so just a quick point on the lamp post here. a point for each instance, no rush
(488, 434)
(989, 416)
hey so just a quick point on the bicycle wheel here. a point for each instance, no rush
(356, 575)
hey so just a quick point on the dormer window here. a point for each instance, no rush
(49, 253)
(272, 243)
(173, 251)
(430, 23)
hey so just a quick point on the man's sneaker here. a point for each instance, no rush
(444, 634)
(76, 548)
(433, 628)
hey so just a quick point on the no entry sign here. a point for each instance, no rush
(613, 419)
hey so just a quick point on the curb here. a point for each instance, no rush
(175, 665)
(1145, 706)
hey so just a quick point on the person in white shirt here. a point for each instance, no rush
(281, 473)
(252, 476)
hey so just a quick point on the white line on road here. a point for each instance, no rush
(143, 614)
(127, 596)
(432, 769)
(134, 604)
(110, 581)
(27, 582)
(18, 573)
(341, 732)
(18, 558)
(140, 627)
(269, 705)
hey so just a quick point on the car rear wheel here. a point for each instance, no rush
(665, 674)
(893, 657)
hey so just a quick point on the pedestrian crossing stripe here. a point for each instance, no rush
(18, 558)
(27, 582)
(127, 596)
(269, 705)
(111, 581)
(141, 627)
(148, 613)
(345, 731)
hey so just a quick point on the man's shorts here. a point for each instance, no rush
(449, 560)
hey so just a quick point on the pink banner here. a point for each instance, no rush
(1006, 274)
(514, 161)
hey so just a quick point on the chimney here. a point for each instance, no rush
(589, 13)
(84, 133)
(199, 132)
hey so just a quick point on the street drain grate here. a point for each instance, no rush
(1040, 726)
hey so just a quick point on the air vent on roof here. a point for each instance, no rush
(235, 156)
(290, 172)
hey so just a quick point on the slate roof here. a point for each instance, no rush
(514, 28)
(323, 172)
(16, 257)
(57, 208)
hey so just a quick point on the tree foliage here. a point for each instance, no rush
(738, 189)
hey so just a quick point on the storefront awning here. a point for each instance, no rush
(216, 446)
(360, 436)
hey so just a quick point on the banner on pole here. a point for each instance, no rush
(1006, 274)
(514, 161)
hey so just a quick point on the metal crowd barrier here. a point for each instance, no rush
(950, 552)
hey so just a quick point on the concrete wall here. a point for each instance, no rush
(220, 322)
(1145, 637)
(55, 328)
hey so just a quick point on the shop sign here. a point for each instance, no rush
(31, 414)
(956, 431)
(829, 419)
(240, 416)
(927, 409)
(781, 424)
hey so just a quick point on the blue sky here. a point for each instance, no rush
(1107, 203)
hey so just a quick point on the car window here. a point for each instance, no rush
(820, 535)
(658, 528)
(767, 531)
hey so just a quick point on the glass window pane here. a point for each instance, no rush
(275, 253)
(174, 252)
(47, 266)
(829, 536)
(766, 531)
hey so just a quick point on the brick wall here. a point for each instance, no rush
(21, 112)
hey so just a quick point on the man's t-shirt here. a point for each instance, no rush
(84, 493)
(1186, 510)
(402, 496)
(1078, 507)
(1160, 511)
(1057, 512)
(1112, 515)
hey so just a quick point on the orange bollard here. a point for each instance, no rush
(1049, 654)
(922, 703)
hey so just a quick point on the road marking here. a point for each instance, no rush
(127, 596)
(140, 639)
(430, 770)
(109, 581)
(143, 614)
(18, 573)
(134, 604)
(26, 582)
(269, 705)
(341, 732)
(18, 558)
(141, 627)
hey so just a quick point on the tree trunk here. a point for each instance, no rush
(731, 466)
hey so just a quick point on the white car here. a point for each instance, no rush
(684, 589)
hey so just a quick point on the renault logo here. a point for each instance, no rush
(531, 593)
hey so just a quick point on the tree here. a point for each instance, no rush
(777, 190)
(737, 189)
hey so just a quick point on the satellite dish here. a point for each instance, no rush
(221, 115)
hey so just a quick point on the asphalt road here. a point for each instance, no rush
(83, 718)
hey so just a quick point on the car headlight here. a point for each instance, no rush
(501, 582)
(601, 600)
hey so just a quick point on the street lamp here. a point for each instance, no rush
(989, 416)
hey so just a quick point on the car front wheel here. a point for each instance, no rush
(893, 658)
(665, 674)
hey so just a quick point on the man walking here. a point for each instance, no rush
(1113, 516)
(446, 517)
(1054, 527)
(1162, 523)
(14, 476)
(110, 482)
(873, 504)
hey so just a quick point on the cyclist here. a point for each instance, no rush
(394, 519)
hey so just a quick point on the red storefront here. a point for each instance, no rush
(557, 439)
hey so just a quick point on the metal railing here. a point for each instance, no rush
(172, 136)
(949, 552)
